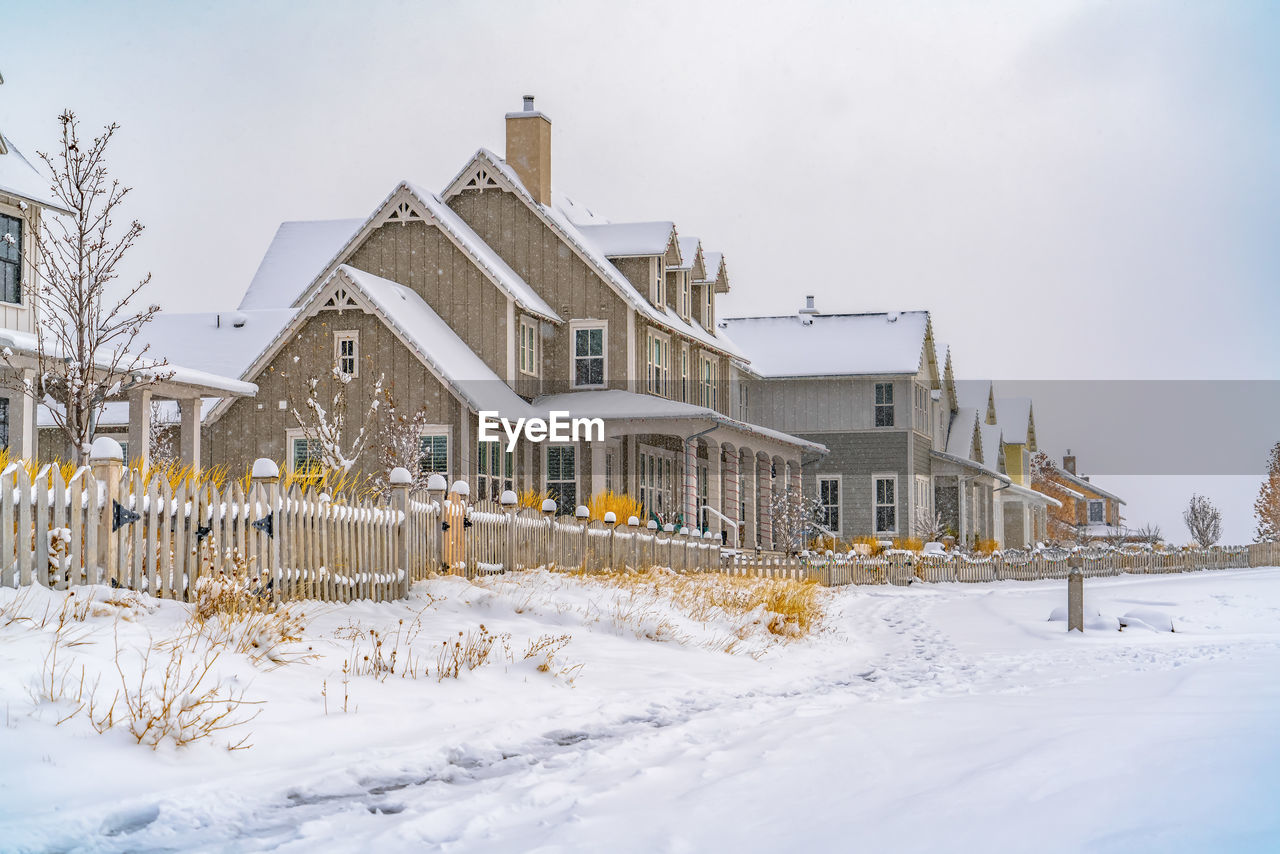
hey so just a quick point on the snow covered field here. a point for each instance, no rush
(944, 717)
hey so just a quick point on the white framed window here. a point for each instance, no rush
(562, 477)
(682, 297)
(658, 363)
(743, 400)
(433, 452)
(303, 454)
(588, 353)
(529, 346)
(1097, 511)
(708, 307)
(657, 480)
(884, 405)
(346, 352)
(684, 373)
(495, 469)
(829, 502)
(885, 506)
(920, 408)
(10, 259)
(707, 381)
(924, 497)
(658, 287)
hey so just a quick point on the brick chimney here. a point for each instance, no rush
(529, 150)
(1069, 462)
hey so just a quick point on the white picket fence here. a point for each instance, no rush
(106, 525)
(901, 567)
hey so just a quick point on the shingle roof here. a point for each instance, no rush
(831, 344)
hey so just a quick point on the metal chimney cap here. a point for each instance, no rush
(528, 103)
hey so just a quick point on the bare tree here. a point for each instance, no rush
(1149, 533)
(929, 526)
(85, 342)
(327, 428)
(163, 451)
(400, 436)
(1203, 520)
(793, 517)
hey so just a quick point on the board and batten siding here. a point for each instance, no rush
(257, 426)
(857, 457)
(821, 404)
(550, 267)
(422, 258)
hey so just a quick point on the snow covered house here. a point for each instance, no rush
(495, 294)
(25, 199)
(903, 450)
(1086, 509)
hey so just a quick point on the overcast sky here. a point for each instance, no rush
(1076, 190)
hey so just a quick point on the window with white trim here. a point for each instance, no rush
(433, 454)
(495, 469)
(562, 478)
(829, 502)
(920, 409)
(657, 364)
(10, 259)
(884, 404)
(305, 455)
(682, 297)
(708, 308)
(742, 401)
(1097, 511)
(588, 355)
(684, 372)
(886, 503)
(658, 287)
(346, 352)
(529, 346)
(924, 495)
(707, 380)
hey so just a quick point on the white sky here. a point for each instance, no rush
(1076, 190)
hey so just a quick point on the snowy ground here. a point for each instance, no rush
(944, 717)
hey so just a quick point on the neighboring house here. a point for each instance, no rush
(495, 295)
(867, 386)
(25, 199)
(1086, 511)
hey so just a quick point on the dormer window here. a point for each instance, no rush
(10, 259)
(658, 289)
(682, 300)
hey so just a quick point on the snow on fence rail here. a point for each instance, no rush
(107, 525)
(900, 567)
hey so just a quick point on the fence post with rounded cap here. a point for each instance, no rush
(583, 515)
(611, 519)
(264, 506)
(633, 523)
(401, 480)
(510, 505)
(457, 552)
(436, 486)
(106, 459)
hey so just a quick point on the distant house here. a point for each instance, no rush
(1087, 510)
(495, 294)
(868, 387)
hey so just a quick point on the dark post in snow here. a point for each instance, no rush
(1075, 595)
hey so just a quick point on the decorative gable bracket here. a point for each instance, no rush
(480, 179)
(403, 213)
(341, 300)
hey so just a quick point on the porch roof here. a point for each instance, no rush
(618, 405)
(1023, 492)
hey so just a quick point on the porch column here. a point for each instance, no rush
(764, 500)
(747, 477)
(689, 485)
(796, 496)
(140, 425)
(962, 511)
(731, 492)
(714, 499)
(188, 433)
(22, 419)
(598, 482)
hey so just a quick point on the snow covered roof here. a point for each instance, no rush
(629, 406)
(434, 342)
(626, 239)
(1014, 415)
(224, 343)
(711, 265)
(20, 179)
(960, 436)
(570, 233)
(1085, 484)
(975, 394)
(691, 257)
(115, 413)
(820, 345)
(991, 444)
(297, 254)
(149, 366)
